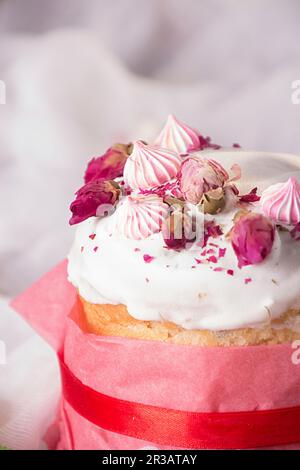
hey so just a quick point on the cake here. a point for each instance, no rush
(183, 241)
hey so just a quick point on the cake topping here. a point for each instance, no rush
(199, 175)
(138, 216)
(281, 202)
(250, 197)
(178, 136)
(213, 201)
(252, 238)
(96, 198)
(110, 165)
(149, 166)
(177, 229)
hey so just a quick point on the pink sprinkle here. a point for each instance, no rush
(211, 251)
(230, 272)
(222, 252)
(247, 280)
(212, 259)
(193, 267)
(204, 253)
(213, 244)
(236, 146)
(148, 258)
(198, 261)
(137, 249)
(218, 270)
(92, 236)
(95, 248)
(81, 249)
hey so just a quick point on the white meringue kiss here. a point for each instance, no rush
(150, 166)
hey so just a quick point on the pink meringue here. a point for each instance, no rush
(178, 136)
(150, 166)
(138, 217)
(199, 175)
(281, 202)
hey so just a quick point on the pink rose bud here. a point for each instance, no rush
(252, 238)
(91, 198)
(110, 165)
(199, 175)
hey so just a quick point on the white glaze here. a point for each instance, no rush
(192, 297)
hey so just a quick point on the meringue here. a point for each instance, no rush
(281, 202)
(178, 136)
(149, 166)
(138, 217)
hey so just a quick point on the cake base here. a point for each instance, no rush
(114, 320)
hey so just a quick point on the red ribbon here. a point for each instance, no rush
(181, 429)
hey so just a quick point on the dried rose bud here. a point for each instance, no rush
(213, 201)
(110, 165)
(177, 230)
(198, 176)
(96, 198)
(252, 238)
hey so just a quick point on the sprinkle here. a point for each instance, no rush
(137, 249)
(193, 267)
(81, 249)
(110, 235)
(95, 248)
(211, 251)
(204, 253)
(230, 272)
(148, 258)
(198, 261)
(92, 236)
(213, 244)
(167, 265)
(212, 259)
(275, 282)
(236, 146)
(147, 279)
(250, 197)
(247, 280)
(218, 270)
(222, 252)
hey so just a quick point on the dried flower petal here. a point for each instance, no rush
(250, 197)
(95, 198)
(252, 238)
(148, 258)
(110, 165)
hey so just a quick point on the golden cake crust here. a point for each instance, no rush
(114, 320)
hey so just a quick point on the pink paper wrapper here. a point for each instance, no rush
(188, 378)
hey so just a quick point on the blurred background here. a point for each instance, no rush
(81, 75)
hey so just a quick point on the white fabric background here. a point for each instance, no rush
(81, 75)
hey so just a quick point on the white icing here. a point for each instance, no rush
(197, 297)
